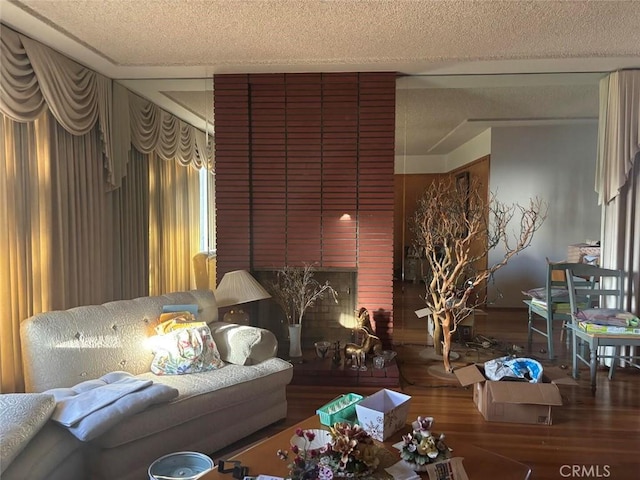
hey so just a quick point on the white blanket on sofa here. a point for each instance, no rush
(91, 408)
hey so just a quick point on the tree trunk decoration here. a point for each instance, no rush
(456, 230)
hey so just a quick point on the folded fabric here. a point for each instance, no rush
(93, 407)
(608, 316)
(557, 294)
(74, 404)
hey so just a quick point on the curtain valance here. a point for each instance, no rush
(20, 97)
(619, 132)
(153, 129)
(33, 77)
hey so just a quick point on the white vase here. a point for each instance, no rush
(295, 345)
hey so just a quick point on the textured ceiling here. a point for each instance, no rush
(167, 40)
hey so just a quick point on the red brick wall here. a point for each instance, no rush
(294, 153)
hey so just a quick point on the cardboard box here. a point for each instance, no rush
(576, 253)
(515, 401)
(383, 413)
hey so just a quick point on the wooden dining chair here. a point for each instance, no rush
(550, 304)
(608, 325)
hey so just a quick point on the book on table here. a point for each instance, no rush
(608, 329)
(607, 320)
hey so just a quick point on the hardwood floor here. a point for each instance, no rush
(591, 436)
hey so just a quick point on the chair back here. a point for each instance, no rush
(556, 284)
(607, 285)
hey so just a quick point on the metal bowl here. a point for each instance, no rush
(180, 466)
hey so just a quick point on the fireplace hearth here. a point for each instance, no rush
(324, 321)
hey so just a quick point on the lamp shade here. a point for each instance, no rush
(239, 287)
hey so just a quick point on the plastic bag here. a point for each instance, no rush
(525, 368)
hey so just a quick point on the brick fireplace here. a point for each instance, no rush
(324, 321)
(305, 174)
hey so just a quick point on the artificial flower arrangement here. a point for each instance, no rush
(350, 453)
(422, 447)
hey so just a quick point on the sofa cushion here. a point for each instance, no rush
(22, 415)
(200, 394)
(185, 350)
(242, 344)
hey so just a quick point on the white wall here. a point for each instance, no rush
(556, 163)
(477, 147)
(410, 164)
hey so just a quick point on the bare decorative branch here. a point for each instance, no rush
(295, 290)
(455, 229)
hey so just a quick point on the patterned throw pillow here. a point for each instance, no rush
(185, 350)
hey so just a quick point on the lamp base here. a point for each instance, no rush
(238, 316)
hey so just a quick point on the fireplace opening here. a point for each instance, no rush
(326, 320)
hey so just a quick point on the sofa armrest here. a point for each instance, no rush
(243, 344)
(22, 415)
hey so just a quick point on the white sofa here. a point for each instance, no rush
(213, 409)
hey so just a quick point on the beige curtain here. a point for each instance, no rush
(134, 236)
(174, 229)
(25, 210)
(80, 207)
(61, 229)
(617, 181)
(84, 223)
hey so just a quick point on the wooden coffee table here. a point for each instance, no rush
(261, 458)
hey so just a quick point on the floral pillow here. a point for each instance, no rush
(185, 349)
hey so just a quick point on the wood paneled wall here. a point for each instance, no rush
(294, 154)
(409, 188)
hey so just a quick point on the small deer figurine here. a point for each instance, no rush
(370, 343)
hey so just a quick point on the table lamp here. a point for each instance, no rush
(236, 288)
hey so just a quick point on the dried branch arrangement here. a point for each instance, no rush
(295, 289)
(455, 229)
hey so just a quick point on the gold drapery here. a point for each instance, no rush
(62, 229)
(174, 229)
(70, 240)
(76, 197)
